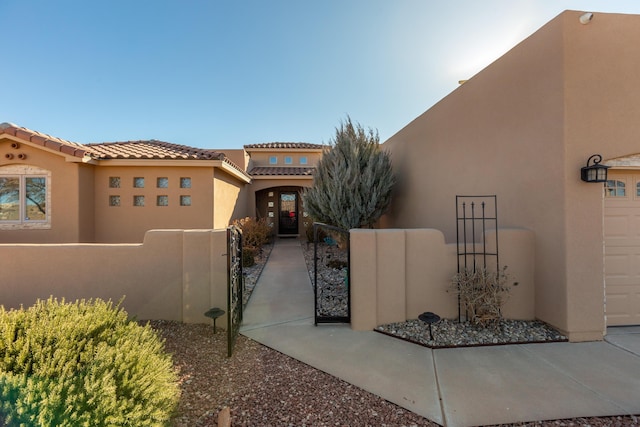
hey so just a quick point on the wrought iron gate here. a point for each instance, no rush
(235, 286)
(332, 296)
(474, 216)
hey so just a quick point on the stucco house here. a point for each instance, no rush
(522, 129)
(279, 172)
(58, 191)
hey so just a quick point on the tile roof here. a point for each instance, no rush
(281, 171)
(47, 141)
(287, 146)
(151, 149)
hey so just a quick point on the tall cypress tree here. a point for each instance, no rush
(353, 180)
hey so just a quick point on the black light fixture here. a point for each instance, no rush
(594, 172)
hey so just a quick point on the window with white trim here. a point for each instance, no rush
(24, 197)
(615, 188)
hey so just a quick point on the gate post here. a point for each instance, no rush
(234, 286)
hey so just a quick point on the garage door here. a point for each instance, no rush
(622, 248)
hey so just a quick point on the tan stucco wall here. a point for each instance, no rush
(238, 156)
(602, 116)
(69, 216)
(229, 200)
(521, 129)
(128, 223)
(398, 274)
(173, 275)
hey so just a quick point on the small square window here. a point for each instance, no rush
(114, 200)
(114, 182)
(162, 182)
(185, 182)
(273, 160)
(185, 200)
(615, 188)
(288, 160)
(303, 160)
(138, 182)
(138, 200)
(162, 201)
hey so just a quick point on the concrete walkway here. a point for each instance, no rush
(453, 387)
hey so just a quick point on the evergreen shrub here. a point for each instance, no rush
(82, 364)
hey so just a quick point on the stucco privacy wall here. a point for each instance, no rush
(172, 275)
(521, 129)
(398, 274)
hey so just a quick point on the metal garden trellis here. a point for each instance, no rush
(473, 216)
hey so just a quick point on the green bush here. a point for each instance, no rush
(82, 364)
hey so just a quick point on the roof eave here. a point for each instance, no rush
(70, 154)
(284, 150)
(281, 177)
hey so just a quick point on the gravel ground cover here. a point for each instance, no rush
(263, 387)
(450, 333)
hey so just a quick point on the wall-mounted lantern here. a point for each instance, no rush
(594, 172)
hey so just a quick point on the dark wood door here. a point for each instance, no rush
(288, 222)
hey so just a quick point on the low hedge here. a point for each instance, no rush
(82, 364)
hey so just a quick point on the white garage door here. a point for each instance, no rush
(622, 247)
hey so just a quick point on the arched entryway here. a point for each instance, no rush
(283, 210)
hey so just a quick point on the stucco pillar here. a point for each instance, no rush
(363, 280)
(391, 288)
(196, 292)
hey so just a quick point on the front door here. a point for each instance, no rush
(288, 222)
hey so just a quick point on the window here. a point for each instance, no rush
(288, 160)
(638, 189)
(114, 182)
(273, 160)
(614, 188)
(185, 200)
(303, 160)
(162, 182)
(114, 200)
(24, 197)
(138, 201)
(185, 182)
(162, 201)
(138, 182)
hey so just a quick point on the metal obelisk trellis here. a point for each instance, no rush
(474, 216)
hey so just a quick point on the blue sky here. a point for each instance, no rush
(222, 74)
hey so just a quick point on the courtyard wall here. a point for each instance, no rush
(172, 275)
(397, 274)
